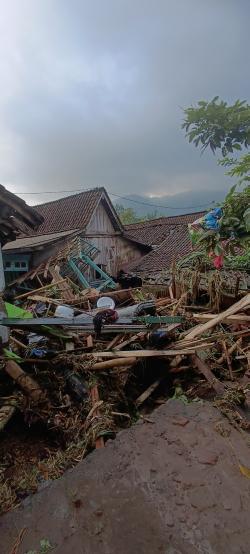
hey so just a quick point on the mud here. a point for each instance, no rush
(171, 486)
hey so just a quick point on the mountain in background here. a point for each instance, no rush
(184, 202)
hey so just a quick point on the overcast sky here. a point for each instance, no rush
(92, 91)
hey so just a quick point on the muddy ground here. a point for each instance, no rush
(172, 486)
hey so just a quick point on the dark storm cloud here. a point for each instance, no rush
(91, 92)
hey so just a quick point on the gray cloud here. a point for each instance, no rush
(91, 92)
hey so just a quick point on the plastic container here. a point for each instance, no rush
(64, 311)
(105, 302)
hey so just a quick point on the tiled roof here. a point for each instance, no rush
(70, 212)
(153, 232)
(169, 238)
(175, 246)
(16, 215)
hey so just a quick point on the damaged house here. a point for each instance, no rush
(15, 215)
(168, 240)
(83, 229)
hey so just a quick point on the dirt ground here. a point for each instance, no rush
(170, 485)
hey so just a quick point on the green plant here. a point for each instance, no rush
(45, 547)
(224, 127)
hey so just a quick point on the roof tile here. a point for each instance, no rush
(70, 212)
(168, 237)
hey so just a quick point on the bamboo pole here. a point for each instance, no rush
(140, 353)
(200, 329)
(117, 362)
(27, 383)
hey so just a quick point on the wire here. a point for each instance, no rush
(122, 198)
(160, 205)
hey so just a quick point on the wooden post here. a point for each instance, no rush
(4, 331)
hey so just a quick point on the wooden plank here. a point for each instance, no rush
(138, 336)
(237, 318)
(227, 356)
(30, 293)
(140, 353)
(45, 274)
(63, 285)
(35, 272)
(94, 393)
(206, 371)
(237, 307)
(171, 294)
(139, 401)
(89, 340)
(113, 342)
(45, 299)
(230, 350)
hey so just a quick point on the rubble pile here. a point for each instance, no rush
(82, 364)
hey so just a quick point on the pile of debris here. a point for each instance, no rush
(81, 365)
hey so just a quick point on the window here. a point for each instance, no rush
(17, 264)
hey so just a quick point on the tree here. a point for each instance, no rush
(226, 128)
(223, 127)
(126, 215)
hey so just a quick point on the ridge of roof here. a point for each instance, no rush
(95, 189)
(74, 211)
(164, 220)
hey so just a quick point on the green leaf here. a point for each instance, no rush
(237, 146)
(246, 217)
(218, 250)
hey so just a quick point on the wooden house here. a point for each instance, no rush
(89, 215)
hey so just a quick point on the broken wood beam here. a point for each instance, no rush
(237, 307)
(94, 393)
(26, 294)
(237, 318)
(44, 299)
(206, 371)
(89, 341)
(145, 395)
(113, 342)
(139, 353)
(138, 336)
(230, 350)
(227, 356)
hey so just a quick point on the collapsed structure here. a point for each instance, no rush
(86, 358)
